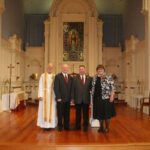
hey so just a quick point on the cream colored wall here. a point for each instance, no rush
(34, 64)
(34, 61)
(11, 54)
(112, 60)
(135, 70)
(131, 67)
(24, 63)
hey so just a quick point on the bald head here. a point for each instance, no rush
(50, 68)
(65, 68)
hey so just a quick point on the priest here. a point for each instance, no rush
(47, 118)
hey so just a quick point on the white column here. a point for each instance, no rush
(47, 30)
(148, 44)
(146, 12)
(133, 41)
(93, 46)
(100, 36)
(2, 7)
(54, 47)
(145, 5)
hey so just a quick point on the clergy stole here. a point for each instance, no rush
(47, 96)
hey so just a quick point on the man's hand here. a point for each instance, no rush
(40, 98)
(112, 98)
(59, 100)
(72, 102)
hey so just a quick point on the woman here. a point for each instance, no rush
(103, 96)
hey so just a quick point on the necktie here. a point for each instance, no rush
(66, 78)
(82, 79)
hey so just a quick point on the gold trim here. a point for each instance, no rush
(51, 99)
(45, 96)
(45, 86)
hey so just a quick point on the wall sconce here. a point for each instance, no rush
(118, 66)
(17, 78)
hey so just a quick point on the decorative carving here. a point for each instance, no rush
(47, 24)
(15, 42)
(90, 3)
(145, 5)
(2, 6)
(63, 11)
(134, 42)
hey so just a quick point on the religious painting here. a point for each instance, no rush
(73, 41)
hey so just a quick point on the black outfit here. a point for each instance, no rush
(103, 109)
(62, 89)
(81, 96)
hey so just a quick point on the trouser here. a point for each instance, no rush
(82, 109)
(63, 114)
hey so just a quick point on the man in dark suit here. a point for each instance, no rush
(62, 89)
(81, 95)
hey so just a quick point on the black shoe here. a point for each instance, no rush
(106, 130)
(46, 129)
(67, 128)
(85, 129)
(100, 130)
(77, 128)
(59, 129)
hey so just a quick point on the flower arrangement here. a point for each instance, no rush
(33, 76)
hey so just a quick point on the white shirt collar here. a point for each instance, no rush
(65, 74)
(82, 76)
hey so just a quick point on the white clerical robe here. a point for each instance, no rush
(47, 105)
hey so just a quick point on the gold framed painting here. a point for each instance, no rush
(73, 41)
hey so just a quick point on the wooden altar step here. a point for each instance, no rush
(120, 102)
(21, 106)
(32, 101)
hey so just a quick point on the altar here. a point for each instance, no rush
(13, 100)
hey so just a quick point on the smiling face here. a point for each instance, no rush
(82, 70)
(50, 68)
(100, 71)
(65, 68)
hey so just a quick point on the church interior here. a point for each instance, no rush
(114, 33)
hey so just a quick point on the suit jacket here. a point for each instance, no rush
(62, 88)
(80, 91)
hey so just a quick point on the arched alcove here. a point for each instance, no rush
(83, 28)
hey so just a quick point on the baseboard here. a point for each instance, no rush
(27, 146)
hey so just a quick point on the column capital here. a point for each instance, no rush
(46, 22)
(2, 6)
